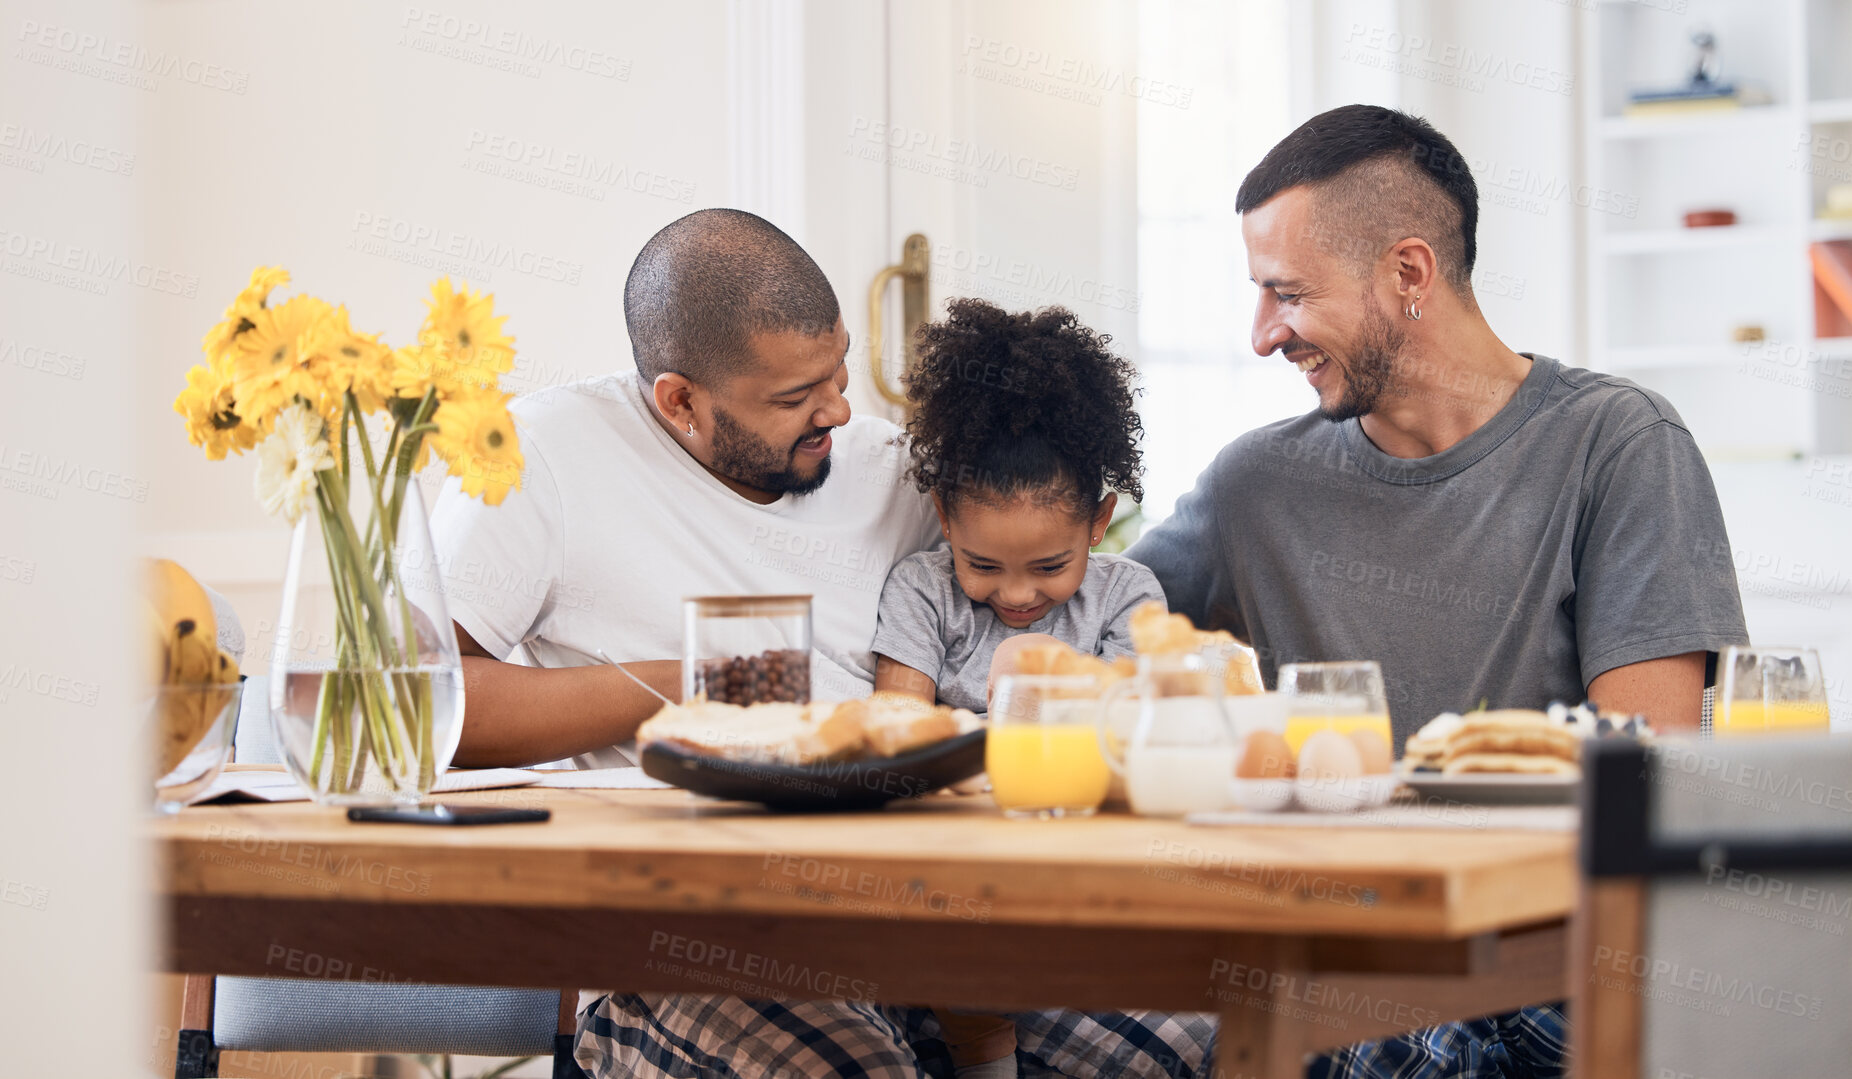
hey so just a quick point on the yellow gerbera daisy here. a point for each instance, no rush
(417, 369)
(476, 436)
(267, 365)
(342, 360)
(467, 328)
(212, 418)
(241, 315)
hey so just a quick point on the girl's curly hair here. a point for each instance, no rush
(1007, 404)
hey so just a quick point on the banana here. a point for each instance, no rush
(161, 642)
(196, 675)
(183, 605)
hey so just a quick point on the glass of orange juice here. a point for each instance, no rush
(1341, 697)
(1043, 752)
(1770, 691)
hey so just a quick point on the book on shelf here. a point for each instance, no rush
(1697, 91)
(1705, 97)
(1681, 107)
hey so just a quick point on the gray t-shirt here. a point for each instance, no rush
(927, 622)
(1575, 532)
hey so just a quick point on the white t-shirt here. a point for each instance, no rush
(615, 524)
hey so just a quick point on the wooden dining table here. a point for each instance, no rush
(1300, 938)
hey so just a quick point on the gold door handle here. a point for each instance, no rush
(913, 270)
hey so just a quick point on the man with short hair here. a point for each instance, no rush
(704, 472)
(709, 471)
(1493, 527)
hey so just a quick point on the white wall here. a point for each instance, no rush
(376, 147)
(1499, 80)
(74, 930)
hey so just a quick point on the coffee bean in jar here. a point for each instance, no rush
(776, 675)
(746, 649)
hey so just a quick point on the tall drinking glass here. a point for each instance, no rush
(1341, 697)
(1042, 752)
(1770, 691)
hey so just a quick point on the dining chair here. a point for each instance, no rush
(303, 1015)
(1713, 935)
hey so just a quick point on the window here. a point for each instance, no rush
(1203, 383)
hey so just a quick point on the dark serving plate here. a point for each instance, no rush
(829, 785)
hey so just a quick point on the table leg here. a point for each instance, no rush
(1255, 1038)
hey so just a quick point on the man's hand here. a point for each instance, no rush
(515, 716)
(1669, 692)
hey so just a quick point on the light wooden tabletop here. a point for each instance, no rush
(667, 851)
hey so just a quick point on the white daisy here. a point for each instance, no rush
(288, 460)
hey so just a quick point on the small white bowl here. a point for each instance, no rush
(1260, 795)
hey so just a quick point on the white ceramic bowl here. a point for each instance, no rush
(1260, 795)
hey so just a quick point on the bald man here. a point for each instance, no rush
(1491, 526)
(705, 472)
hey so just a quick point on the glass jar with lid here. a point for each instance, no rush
(746, 649)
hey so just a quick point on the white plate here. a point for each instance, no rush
(1493, 788)
(1260, 795)
(1344, 795)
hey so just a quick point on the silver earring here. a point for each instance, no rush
(1412, 313)
(691, 430)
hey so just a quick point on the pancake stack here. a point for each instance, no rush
(1509, 741)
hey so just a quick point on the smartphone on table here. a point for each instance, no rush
(444, 814)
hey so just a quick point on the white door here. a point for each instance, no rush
(1003, 133)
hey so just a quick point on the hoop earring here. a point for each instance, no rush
(1413, 314)
(691, 430)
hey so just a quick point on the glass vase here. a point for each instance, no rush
(366, 687)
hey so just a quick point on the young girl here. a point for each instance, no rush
(1022, 431)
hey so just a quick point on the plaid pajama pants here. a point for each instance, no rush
(683, 1036)
(1531, 1043)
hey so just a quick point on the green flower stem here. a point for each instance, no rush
(413, 439)
(324, 710)
(351, 664)
(336, 689)
(371, 683)
(366, 612)
(364, 748)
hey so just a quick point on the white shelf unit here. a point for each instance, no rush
(1673, 241)
(1663, 302)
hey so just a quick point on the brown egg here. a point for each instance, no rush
(1264, 755)
(1329, 755)
(1375, 752)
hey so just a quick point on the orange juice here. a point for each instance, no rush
(1042, 766)
(1774, 717)
(1299, 728)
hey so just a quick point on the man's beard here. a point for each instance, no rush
(745, 458)
(1370, 374)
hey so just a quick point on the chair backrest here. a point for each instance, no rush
(309, 1015)
(1715, 934)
